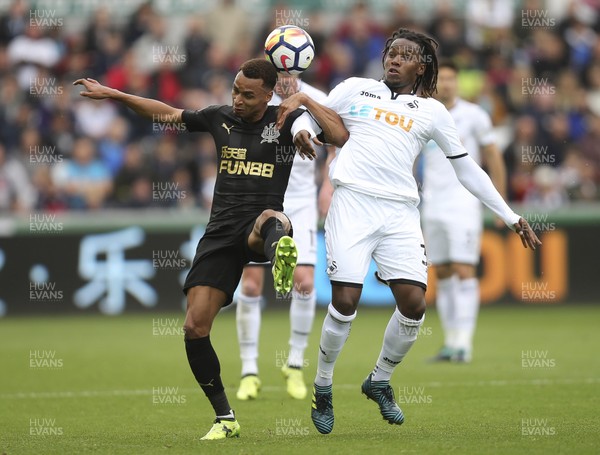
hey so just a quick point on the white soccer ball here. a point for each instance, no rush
(290, 49)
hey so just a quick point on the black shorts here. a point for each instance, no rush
(220, 258)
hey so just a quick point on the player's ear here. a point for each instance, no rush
(421, 69)
(269, 95)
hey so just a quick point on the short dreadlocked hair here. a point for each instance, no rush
(427, 82)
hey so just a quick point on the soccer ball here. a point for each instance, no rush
(290, 49)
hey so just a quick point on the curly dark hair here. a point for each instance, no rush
(426, 82)
(258, 68)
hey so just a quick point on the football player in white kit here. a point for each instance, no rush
(452, 217)
(300, 205)
(373, 213)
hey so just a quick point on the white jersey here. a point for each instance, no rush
(387, 132)
(302, 182)
(443, 194)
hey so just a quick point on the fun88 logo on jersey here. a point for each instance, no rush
(382, 115)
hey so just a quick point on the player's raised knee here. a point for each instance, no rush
(268, 213)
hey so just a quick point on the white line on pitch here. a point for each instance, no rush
(149, 392)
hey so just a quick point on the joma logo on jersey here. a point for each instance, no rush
(247, 168)
(382, 115)
(370, 95)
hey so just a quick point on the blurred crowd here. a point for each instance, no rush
(534, 68)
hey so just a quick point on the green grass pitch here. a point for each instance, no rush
(77, 385)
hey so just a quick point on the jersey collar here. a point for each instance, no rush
(394, 95)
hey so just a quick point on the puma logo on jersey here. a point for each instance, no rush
(210, 384)
(228, 128)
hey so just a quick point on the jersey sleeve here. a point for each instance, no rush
(305, 122)
(339, 96)
(445, 134)
(199, 120)
(483, 128)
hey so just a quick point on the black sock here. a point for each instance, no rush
(271, 231)
(205, 365)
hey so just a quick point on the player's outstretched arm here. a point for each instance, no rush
(146, 107)
(330, 122)
(474, 179)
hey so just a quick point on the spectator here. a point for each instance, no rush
(132, 184)
(17, 194)
(29, 52)
(93, 119)
(488, 23)
(579, 35)
(446, 28)
(589, 145)
(362, 36)
(14, 22)
(83, 179)
(139, 23)
(547, 192)
(577, 176)
(520, 157)
(112, 146)
(196, 47)
(593, 82)
(227, 25)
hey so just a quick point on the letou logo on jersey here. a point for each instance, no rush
(382, 115)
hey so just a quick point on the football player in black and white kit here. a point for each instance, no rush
(246, 220)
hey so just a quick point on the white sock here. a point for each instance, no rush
(336, 328)
(302, 315)
(247, 316)
(230, 416)
(466, 313)
(445, 303)
(400, 334)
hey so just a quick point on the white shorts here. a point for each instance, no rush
(360, 227)
(457, 240)
(302, 212)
